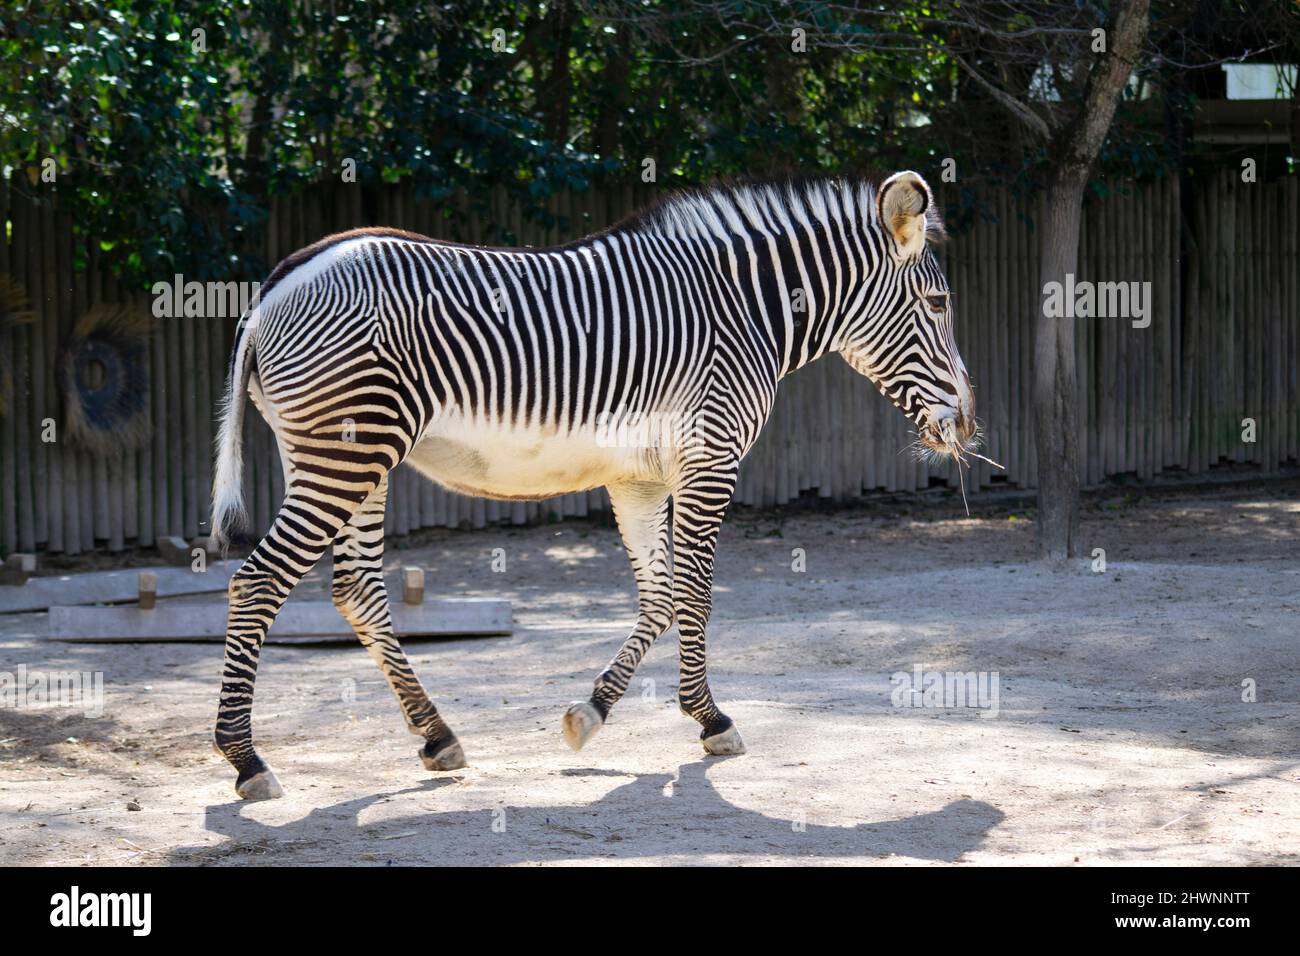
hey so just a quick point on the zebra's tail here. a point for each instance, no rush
(229, 517)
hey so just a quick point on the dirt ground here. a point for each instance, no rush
(1125, 729)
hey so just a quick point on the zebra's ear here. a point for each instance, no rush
(901, 205)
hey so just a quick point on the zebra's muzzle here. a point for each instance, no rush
(947, 429)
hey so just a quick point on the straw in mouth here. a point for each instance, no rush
(953, 448)
(949, 434)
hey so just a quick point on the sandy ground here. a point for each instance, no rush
(1120, 736)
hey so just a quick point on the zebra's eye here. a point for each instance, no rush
(938, 302)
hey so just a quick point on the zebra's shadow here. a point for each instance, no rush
(680, 816)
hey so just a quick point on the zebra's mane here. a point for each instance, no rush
(729, 207)
(719, 210)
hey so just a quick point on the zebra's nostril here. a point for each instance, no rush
(941, 429)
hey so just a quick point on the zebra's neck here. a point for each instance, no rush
(796, 252)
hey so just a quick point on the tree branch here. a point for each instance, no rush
(1125, 35)
(1019, 110)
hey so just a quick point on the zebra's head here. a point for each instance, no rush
(899, 333)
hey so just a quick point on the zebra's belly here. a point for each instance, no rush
(525, 463)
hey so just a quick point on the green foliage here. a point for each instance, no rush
(172, 122)
(132, 119)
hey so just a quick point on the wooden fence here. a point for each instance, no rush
(1221, 347)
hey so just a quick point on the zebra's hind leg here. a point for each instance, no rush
(698, 508)
(642, 512)
(361, 597)
(299, 536)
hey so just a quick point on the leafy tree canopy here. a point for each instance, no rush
(172, 122)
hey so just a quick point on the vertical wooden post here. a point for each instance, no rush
(413, 585)
(148, 590)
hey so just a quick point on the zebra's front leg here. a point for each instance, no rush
(641, 509)
(361, 597)
(298, 538)
(698, 508)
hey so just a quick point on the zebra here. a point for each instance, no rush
(498, 372)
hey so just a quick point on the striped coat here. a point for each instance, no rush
(644, 359)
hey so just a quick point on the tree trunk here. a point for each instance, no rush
(1055, 387)
(1074, 149)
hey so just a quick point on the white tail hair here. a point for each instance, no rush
(229, 516)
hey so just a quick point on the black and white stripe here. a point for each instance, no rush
(497, 372)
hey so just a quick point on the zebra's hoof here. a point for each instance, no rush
(442, 755)
(725, 743)
(581, 721)
(260, 786)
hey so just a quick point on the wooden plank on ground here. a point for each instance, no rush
(108, 587)
(299, 621)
